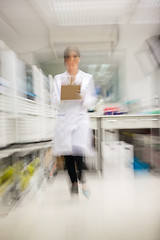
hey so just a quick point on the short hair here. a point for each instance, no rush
(70, 49)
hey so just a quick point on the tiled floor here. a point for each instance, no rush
(122, 207)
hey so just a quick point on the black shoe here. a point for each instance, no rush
(74, 188)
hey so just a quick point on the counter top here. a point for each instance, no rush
(95, 115)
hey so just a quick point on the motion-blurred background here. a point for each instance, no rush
(119, 41)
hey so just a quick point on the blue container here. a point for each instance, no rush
(140, 166)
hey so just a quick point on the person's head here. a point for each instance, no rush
(71, 58)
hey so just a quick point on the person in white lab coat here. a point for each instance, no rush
(72, 136)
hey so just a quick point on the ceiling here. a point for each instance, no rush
(43, 28)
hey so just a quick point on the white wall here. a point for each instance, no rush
(136, 84)
(29, 58)
(53, 69)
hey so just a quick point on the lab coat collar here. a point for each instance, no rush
(68, 74)
(76, 78)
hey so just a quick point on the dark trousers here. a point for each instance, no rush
(71, 168)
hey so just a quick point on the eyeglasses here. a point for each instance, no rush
(69, 57)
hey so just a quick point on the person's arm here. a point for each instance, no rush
(56, 88)
(89, 94)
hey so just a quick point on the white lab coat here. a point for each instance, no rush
(72, 135)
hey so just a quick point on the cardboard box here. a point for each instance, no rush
(48, 157)
(70, 92)
(60, 163)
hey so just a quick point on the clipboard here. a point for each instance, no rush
(69, 92)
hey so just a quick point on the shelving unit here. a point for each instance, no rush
(27, 170)
(26, 126)
(26, 113)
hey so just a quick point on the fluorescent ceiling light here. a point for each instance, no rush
(102, 12)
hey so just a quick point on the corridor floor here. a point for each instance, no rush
(122, 206)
